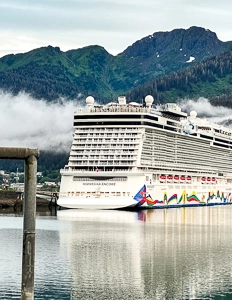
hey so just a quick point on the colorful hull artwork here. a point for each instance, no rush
(144, 199)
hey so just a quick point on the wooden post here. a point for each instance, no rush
(29, 212)
(29, 215)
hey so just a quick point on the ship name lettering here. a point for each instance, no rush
(100, 183)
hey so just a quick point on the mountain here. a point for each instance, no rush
(170, 51)
(49, 73)
(211, 78)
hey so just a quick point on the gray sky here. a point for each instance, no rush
(72, 24)
(113, 24)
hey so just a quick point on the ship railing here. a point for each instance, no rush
(102, 147)
(112, 152)
(117, 108)
(112, 170)
(106, 163)
(115, 159)
(105, 130)
(112, 109)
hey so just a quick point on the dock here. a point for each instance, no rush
(15, 199)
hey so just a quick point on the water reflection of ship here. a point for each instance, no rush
(189, 253)
(104, 252)
(177, 250)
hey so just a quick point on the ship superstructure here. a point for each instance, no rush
(133, 155)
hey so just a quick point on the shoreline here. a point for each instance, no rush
(13, 199)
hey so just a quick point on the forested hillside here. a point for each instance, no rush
(211, 78)
(49, 163)
(49, 73)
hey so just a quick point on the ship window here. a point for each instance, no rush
(76, 178)
(206, 137)
(222, 141)
(221, 145)
(152, 118)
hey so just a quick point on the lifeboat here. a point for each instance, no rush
(162, 178)
(169, 178)
(182, 178)
(208, 180)
(189, 179)
(203, 179)
(176, 178)
(213, 180)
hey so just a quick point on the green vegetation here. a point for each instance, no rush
(211, 78)
(50, 74)
(49, 164)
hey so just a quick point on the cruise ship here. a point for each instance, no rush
(130, 155)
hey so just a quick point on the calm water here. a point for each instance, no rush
(183, 253)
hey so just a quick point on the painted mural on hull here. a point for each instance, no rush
(144, 199)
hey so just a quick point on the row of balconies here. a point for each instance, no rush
(106, 109)
(157, 138)
(104, 152)
(107, 129)
(101, 135)
(102, 158)
(191, 159)
(101, 163)
(93, 141)
(102, 146)
(202, 154)
(180, 144)
(177, 150)
(91, 168)
(168, 165)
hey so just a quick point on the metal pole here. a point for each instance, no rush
(29, 212)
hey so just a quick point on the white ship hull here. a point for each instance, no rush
(95, 202)
(139, 191)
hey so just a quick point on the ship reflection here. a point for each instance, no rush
(150, 254)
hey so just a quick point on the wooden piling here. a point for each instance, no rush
(29, 215)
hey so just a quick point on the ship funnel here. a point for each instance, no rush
(122, 100)
(149, 100)
(89, 101)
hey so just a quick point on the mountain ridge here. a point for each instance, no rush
(49, 73)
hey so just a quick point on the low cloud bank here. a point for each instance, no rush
(26, 122)
(216, 114)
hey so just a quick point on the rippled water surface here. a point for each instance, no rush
(183, 253)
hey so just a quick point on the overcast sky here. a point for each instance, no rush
(113, 24)
(72, 24)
